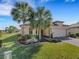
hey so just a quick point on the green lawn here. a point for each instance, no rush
(44, 50)
(77, 37)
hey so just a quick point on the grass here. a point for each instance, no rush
(44, 50)
(77, 37)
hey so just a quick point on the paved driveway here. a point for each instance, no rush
(73, 41)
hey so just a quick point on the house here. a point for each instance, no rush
(57, 29)
(73, 28)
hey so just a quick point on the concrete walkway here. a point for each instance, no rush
(73, 41)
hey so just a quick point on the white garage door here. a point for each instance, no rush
(59, 32)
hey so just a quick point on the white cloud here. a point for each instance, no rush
(7, 1)
(5, 9)
(6, 6)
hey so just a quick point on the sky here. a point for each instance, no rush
(61, 10)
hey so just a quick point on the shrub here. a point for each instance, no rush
(36, 36)
(72, 35)
(56, 40)
(53, 40)
(19, 35)
(0, 43)
(30, 36)
(77, 34)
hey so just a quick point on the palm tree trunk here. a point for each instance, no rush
(23, 32)
(39, 31)
(33, 34)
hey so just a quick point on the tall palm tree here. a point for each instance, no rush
(33, 21)
(44, 19)
(21, 13)
(34, 24)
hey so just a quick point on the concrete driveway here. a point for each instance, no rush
(72, 41)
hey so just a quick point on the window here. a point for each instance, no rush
(30, 31)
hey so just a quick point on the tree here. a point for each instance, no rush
(41, 19)
(11, 29)
(44, 19)
(6, 29)
(0, 33)
(33, 23)
(21, 13)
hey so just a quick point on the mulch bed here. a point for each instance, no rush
(26, 42)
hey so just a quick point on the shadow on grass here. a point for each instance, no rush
(26, 52)
(10, 39)
(20, 51)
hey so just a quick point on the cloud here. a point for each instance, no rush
(5, 9)
(7, 5)
(7, 1)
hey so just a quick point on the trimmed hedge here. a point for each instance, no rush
(74, 35)
(77, 34)
(29, 36)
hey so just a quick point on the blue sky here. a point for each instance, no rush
(63, 10)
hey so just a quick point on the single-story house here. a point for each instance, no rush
(74, 28)
(57, 29)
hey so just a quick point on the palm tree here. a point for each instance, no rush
(44, 19)
(34, 23)
(21, 13)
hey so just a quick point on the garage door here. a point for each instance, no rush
(59, 32)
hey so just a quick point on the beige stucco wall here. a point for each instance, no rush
(58, 31)
(73, 30)
(26, 29)
(46, 32)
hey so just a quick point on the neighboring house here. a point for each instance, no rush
(57, 29)
(74, 28)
